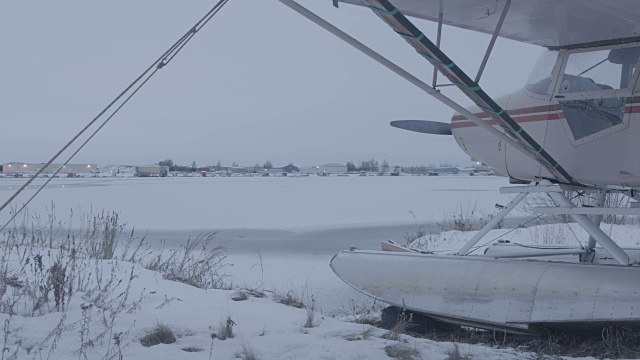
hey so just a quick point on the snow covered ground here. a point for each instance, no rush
(107, 306)
(294, 223)
(263, 327)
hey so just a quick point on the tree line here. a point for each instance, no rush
(371, 165)
(194, 167)
(175, 167)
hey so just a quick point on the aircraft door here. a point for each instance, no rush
(532, 108)
(593, 92)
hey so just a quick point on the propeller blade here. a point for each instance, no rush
(423, 126)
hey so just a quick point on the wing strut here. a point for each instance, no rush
(438, 40)
(503, 16)
(430, 51)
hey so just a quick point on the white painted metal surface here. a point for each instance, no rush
(586, 211)
(549, 23)
(502, 294)
(530, 253)
(558, 253)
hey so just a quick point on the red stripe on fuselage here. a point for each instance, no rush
(521, 115)
(633, 110)
(515, 112)
(520, 119)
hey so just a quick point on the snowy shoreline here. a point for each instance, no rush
(114, 303)
(108, 319)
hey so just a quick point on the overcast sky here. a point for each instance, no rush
(258, 83)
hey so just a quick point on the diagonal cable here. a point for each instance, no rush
(16, 213)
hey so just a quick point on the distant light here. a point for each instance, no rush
(88, 166)
(9, 165)
(25, 165)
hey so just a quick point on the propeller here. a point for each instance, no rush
(423, 126)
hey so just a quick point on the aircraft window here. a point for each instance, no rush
(540, 78)
(587, 117)
(599, 70)
(594, 72)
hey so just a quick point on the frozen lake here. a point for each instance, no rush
(296, 223)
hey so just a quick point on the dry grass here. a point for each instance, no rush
(364, 335)
(302, 299)
(240, 296)
(402, 351)
(197, 263)
(398, 329)
(290, 299)
(411, 237)
(462, 218)
(247, 352)
(310, 320)
(46, 262)
(612, 343)
(244, 294)
(192, 349)
(225, 329)
(159, 334)
(364, 311)
(454, 353)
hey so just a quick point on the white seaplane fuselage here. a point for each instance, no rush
(580, 106)
(590, 123)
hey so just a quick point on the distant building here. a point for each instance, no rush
(31, 168)
(152, 171)
(449, 170)
(234, 169)
(333, 169)
(419, 170)
(289, 169)
(423, 170)
(309, 170)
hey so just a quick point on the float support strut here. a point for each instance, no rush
(597, 219)
(590, 227)
(491, 224)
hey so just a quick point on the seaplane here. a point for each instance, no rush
(573, 127)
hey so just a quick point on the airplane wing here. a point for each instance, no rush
(547, 23)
